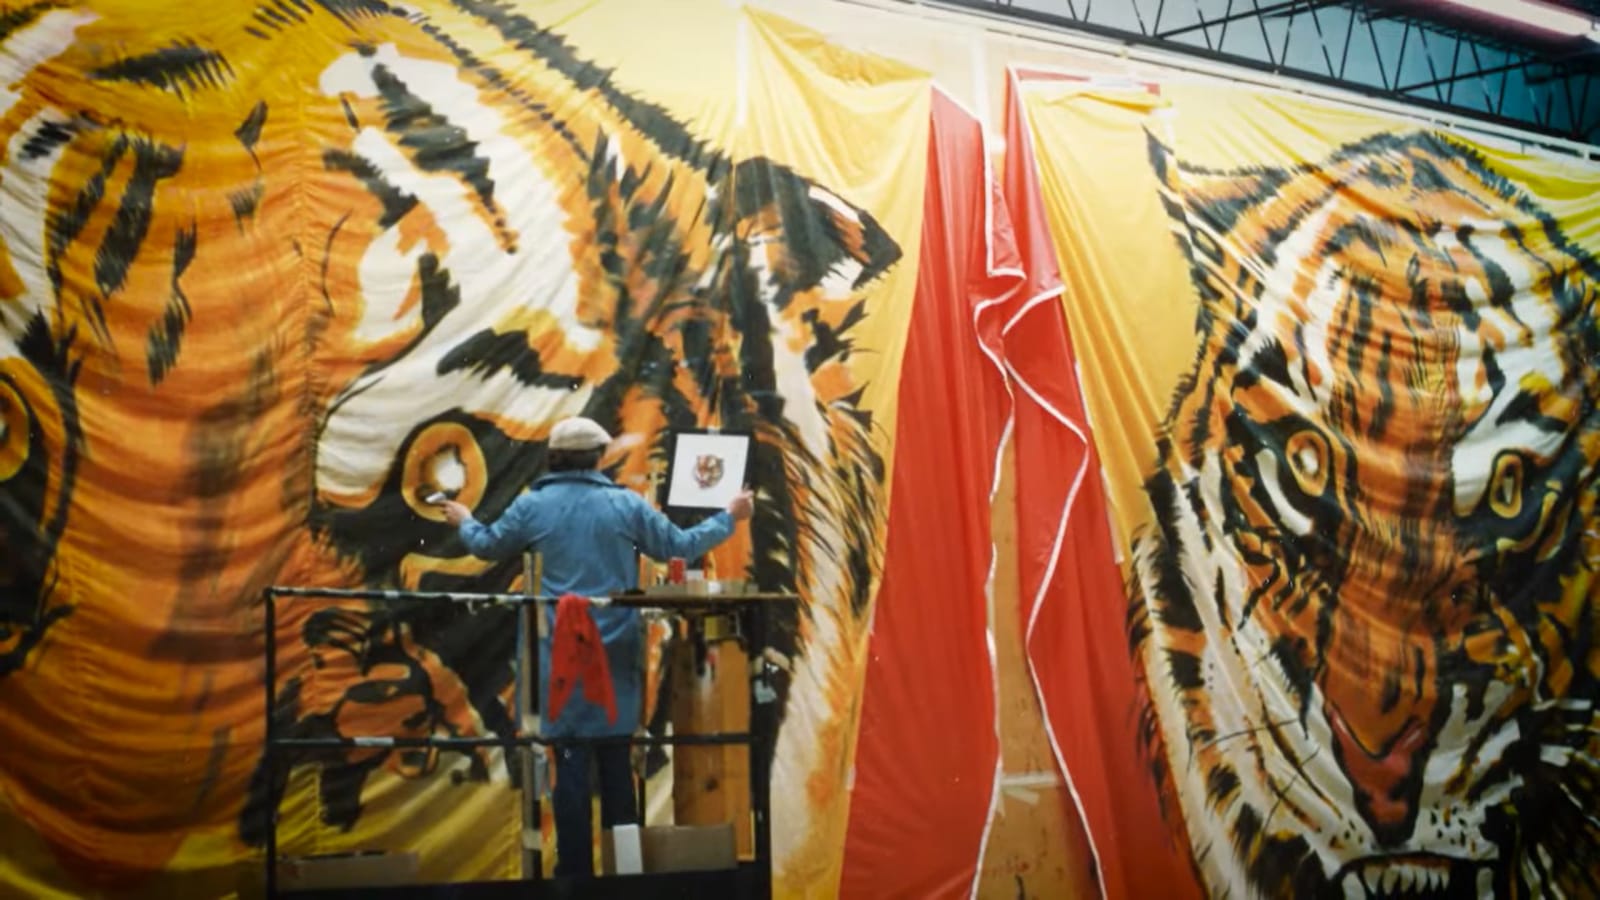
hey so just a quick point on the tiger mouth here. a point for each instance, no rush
(1419, 875)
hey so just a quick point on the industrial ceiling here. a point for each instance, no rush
(1526, 65)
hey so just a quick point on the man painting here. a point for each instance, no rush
(589, 532)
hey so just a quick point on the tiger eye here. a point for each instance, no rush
(1505, 486)
(445, 458)
(1308, 454)
(13, 432)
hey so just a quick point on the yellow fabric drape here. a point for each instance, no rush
(1341, 376)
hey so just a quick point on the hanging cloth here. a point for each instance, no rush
(577, 655)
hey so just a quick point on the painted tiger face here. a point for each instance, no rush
(576, 271)
(528, 245)
(1365, 616)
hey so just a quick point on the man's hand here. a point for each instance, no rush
(455, 513)
(742, 506)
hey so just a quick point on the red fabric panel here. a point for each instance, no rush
(1071, 587)
(927, 752)
(577, 655)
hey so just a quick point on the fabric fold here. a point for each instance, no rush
(925, 772)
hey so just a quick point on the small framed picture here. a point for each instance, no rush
(706, 470)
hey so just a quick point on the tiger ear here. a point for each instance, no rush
(1215, 199)
(822, 232)
(1204, 208)
(855, 233)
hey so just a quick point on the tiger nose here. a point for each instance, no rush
(1384, 769)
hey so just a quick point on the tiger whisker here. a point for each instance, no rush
(1578, 806)
(1299, 773)
(1244, 732)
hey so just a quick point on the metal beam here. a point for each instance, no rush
(1486, 92)
(1471, 73)
(1232, 17)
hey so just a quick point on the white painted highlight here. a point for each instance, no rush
(364, 428)
(28, 47)
(25, 196)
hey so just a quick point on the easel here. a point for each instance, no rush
(708, 782)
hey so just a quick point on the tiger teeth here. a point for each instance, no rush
(1381, 879)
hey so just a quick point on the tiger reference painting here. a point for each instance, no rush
(1364, 614)
(708, 470)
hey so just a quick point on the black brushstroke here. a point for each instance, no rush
(280, 14)
(166, 337)
(125, 237)
(63, 227)
(42, 143)
(13, 20)
(249, 131)
(488, 353)
(30, 542)
(651, 119)
(1184, 667)
(436, 145)
(395, 202)
(1221, 784)
(244, 202)
(351, 12)
(180, 68)
(439, 294)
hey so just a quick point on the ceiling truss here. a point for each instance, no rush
(1382, 50)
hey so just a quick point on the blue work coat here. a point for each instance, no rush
(589, 531)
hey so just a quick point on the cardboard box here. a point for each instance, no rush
(678, 848)
(689, 848)
(374, 869)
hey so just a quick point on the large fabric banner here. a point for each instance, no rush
(926, 770)
(1072, 591)
(1343, 378)
(272, 273)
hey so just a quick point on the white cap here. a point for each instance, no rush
(578, 433)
